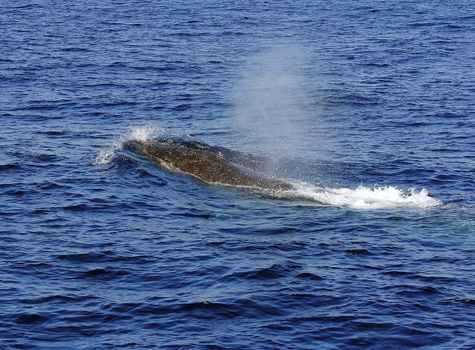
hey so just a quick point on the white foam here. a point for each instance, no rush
(364, 197)
(142, 133)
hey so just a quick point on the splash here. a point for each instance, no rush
(362, 197)
(142, 133)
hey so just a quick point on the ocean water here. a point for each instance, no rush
(367, 108)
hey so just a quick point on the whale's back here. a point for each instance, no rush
(209, 164)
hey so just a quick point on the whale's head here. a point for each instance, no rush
(154, 148)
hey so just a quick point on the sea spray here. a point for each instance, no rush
(141, 133)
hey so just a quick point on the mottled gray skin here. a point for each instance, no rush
(203, 162)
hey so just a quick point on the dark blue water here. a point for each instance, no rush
(104, 250)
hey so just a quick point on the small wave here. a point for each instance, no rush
(103, 274)
(27, 318)
(9, 166)
(362, 197)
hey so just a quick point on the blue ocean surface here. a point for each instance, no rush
(367, 108)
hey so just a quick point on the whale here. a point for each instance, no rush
(209, 164)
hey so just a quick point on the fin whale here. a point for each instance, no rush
(212, 165)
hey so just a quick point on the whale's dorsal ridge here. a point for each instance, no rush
(210, 164)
